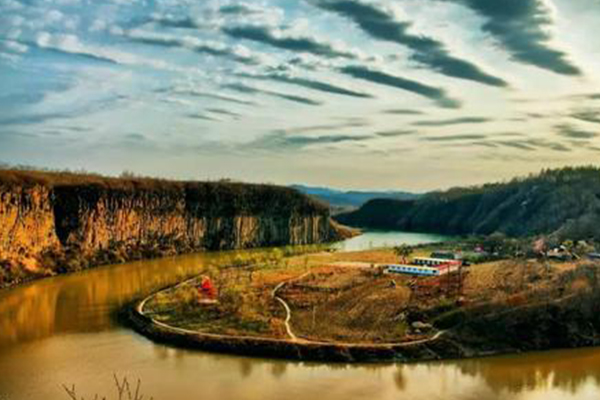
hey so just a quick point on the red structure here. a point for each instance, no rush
(206, 290)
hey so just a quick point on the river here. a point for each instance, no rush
(61, 331)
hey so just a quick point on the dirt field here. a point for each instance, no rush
(345, 297)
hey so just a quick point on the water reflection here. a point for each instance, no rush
(567, 370)
(61, 331)
(84, 302)
(377, 239)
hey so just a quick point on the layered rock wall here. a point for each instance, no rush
(45, 223)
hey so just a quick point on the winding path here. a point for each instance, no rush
(292, 337)
(288, 311)
(295, 338)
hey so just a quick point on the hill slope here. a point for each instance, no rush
(565, 202)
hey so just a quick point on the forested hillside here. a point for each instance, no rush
(565, 202)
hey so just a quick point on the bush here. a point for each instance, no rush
(125, 391)
(186, 297)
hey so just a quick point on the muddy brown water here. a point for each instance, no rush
(60, 331)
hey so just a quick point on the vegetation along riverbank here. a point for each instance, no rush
(345, 307)
(52, 223)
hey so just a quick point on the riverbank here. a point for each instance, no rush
(45, 325)
(322, 309)
(434, 348)
(54, 223)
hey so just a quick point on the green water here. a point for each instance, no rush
(376, 239)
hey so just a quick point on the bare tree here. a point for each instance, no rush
(403, 251)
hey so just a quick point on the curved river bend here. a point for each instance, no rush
(60, 331)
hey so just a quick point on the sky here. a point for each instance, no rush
(405, 94)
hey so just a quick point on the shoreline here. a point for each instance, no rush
(431, 349)
(441, 347)
(545, 326)
(34, 277)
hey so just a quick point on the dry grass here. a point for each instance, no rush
(348, 304)
(125, 391)
(245, 306)
(356, 303)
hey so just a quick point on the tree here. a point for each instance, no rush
(403, 251)
(494, 243)
(569, 247)
(582, 248)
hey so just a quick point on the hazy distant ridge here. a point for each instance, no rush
(353, 198)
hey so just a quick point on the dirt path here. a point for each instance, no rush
(295, 338)
(292, 337)
(288, 311)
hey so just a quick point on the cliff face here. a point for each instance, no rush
(56, 225)
(26, 223)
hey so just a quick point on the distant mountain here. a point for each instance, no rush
(564, 202)
(348, 200)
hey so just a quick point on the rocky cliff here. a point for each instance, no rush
(61, 222)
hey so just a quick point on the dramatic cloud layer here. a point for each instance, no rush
(311, 84)
(283, 41)
(381, 24)
(382, 78)
(522, 27)
(411, 93)
(455, 121)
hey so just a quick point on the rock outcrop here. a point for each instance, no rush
(52, 223)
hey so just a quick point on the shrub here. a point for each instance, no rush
(186, 297)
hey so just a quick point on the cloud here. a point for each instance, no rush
(135, 137)
(214, 96)
(13, 46)
(68, 44)
(543, 143)
(202, 116)
(483, 144)
(279, 140)
(193, 44)
(239, 87)
(223, 111)
(381, 24)
(433, 93)
(175, 22)
(395, 133)
(308, 83)
(35, 118)
(533, 144)
(296, 99)
(455, 121)
(573, 132)
(281, 40)
(358, 123)
(403, 111)
(238, 9)
(523, 29)
(588, 115)
(454, 138)
(517, 145)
